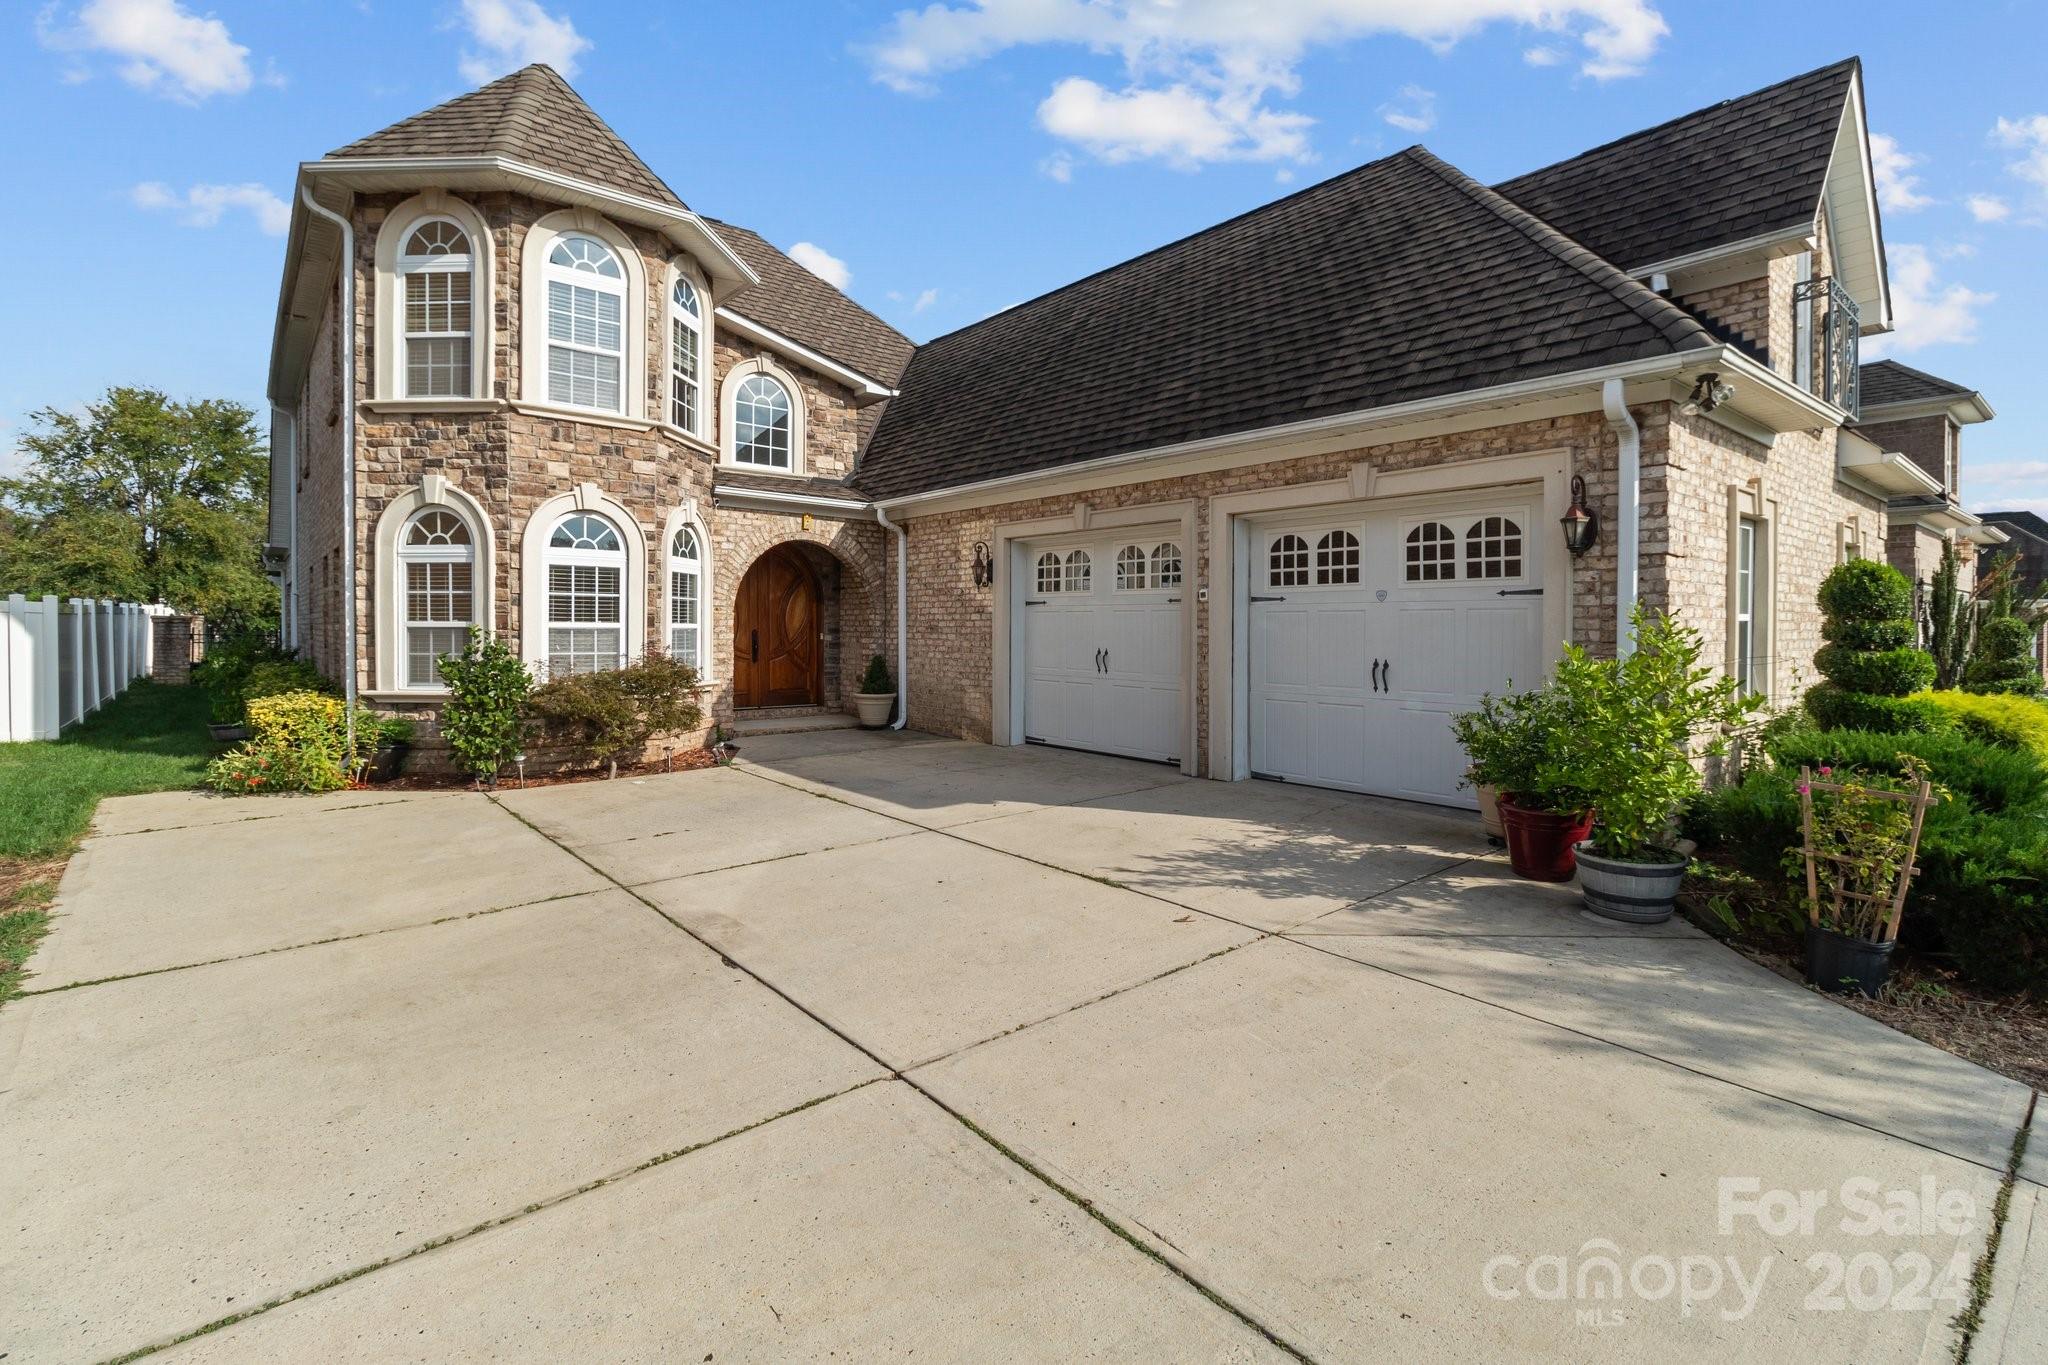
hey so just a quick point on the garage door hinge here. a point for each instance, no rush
(1034, 601)
(1267, 777)
(1256, 598)
(1519, 592)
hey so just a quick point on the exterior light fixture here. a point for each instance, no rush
(1707, 394)
(984, 565)
(1581, 527)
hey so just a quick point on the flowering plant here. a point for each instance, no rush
(1860, 842)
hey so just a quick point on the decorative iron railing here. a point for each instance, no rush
(1839, 330)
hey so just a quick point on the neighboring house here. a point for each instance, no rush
(2027, 536)
(1909, 441)
(1274, 499)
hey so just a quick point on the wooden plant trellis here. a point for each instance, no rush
(1893, 900)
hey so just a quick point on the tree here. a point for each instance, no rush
(1951, 620)
(143, 499)
(1869, 662)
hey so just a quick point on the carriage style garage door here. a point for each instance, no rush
(1370, 627)
(1100, 658)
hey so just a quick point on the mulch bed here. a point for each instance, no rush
(686, 761)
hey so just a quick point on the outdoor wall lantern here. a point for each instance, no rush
(984, 565)
(1581, 527)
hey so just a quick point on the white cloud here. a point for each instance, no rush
(206, 205)
(1926, 310)
(1898, 189)
(1543, 56)
(2029, 137)
(2006, 485)
(1059, 166)
(821, 263)
(513, 33)
(1201, 75)
(1182, 126)
(925, 299)
(159, 45)
(1412, 110)
(1283, 176)
(1988, 208)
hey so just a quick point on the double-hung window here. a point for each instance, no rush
(587, 320)
(438, 556)
(685, 352)
(436, 270)
(1748, 667)
(686, 598)
(586, 569)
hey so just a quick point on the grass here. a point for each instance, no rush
(148, 739)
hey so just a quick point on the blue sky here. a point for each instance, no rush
(954, 160)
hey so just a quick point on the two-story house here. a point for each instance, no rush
(1274, 499)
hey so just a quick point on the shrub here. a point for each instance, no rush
(618, 711)
(1988, 776)
(1984, 883)
(876, 680)
(2004, 661)
(2017, 722)
(224, 673)
(1868, 661)
(1516, 745)
(298, 742)
(275, 677)
(484, 721)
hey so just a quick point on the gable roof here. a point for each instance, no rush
(791, 300)
(1400, 280)
(1744, 168)
(532, 116)
(2027, 523)
(1887, 381)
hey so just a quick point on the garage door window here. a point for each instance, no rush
(1337, 558)
(1079, 570)
(1048, 572)
(1493, 549)
(1131, 569)
(1432, 553)
(1287, 562)
(1166, 565)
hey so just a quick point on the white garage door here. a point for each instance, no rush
(1101, 648)
(1370, 629)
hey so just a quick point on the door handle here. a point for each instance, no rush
(1386, 675)
(1375, 675)
(754, 647)
(1105, 661)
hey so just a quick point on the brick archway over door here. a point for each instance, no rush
(778, 633)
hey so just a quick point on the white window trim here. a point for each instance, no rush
(388, 624)
(1746, 502)
(707, 653)
(682, 269)
(533, 574)
(388, 379)
(533, 338)
(728, 390)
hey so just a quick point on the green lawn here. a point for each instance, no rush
(149, 739)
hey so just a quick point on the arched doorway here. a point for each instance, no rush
(778, 633)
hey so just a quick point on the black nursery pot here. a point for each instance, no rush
(1843, 962)
(387, 761)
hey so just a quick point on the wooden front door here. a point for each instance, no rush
(777, 654)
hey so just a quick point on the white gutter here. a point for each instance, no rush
(868, 390)
(280, 415)
(834, 506)
(902, 619)
(347, 275)
(1628, 512)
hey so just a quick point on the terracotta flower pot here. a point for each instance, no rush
(1489, 814)
(1540, 841)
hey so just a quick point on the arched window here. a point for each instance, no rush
(438, 557)
(761, 423)
(1048, 572)
(1131, 568)
(685, 357)
(1337, 558)
(686, 597)
(586, 568)
(1431, 553)
(1080, 568)
(1166, 565)
(436, 268)
(587, 320)
(1287, 562)
(1493, 549)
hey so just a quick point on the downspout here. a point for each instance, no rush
(902, 618)
(1628, 513)
(348, 454)
(281, 416)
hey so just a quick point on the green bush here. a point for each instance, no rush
(2004, 662)
(1835, 708)
(615, 713)
(224, 673)
(275, 677)
(298, 742)
(876, 680)
(1987, 776)
(1863, 593)
(1876, 672)
(1515, 744)
(1984, 884)
(2017, 722)
(484, 721)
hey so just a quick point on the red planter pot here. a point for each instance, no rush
(1540, 841)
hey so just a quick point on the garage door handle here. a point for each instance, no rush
(1386, 675)
(1375, 675)
(1098, 661)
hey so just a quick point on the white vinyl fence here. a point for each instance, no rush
(61, 659)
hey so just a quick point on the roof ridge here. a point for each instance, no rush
(524, 100)
(1678, 327)
(1855, 63)
(609, 131)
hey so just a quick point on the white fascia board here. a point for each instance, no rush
(794, 500)
(1263, 445)
(729, 273)
(1939, 516)
(312, 248)
(1763, 248)
(1851, 186)
(1965, 410)
(867, 390)
(1864, 462)
(1776, 401)
(1985, 534)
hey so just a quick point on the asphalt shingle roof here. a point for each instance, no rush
(793, 301)
(1887, 381)
(532, 116)
(1400, 280)
(1745, 167)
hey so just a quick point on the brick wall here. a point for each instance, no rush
(1926, 441)
(176, 643)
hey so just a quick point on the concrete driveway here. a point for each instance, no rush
(875, 1047)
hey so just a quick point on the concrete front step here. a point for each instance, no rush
(792, 724)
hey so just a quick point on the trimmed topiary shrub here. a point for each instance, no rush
(2004, 662)
(1869, 662)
